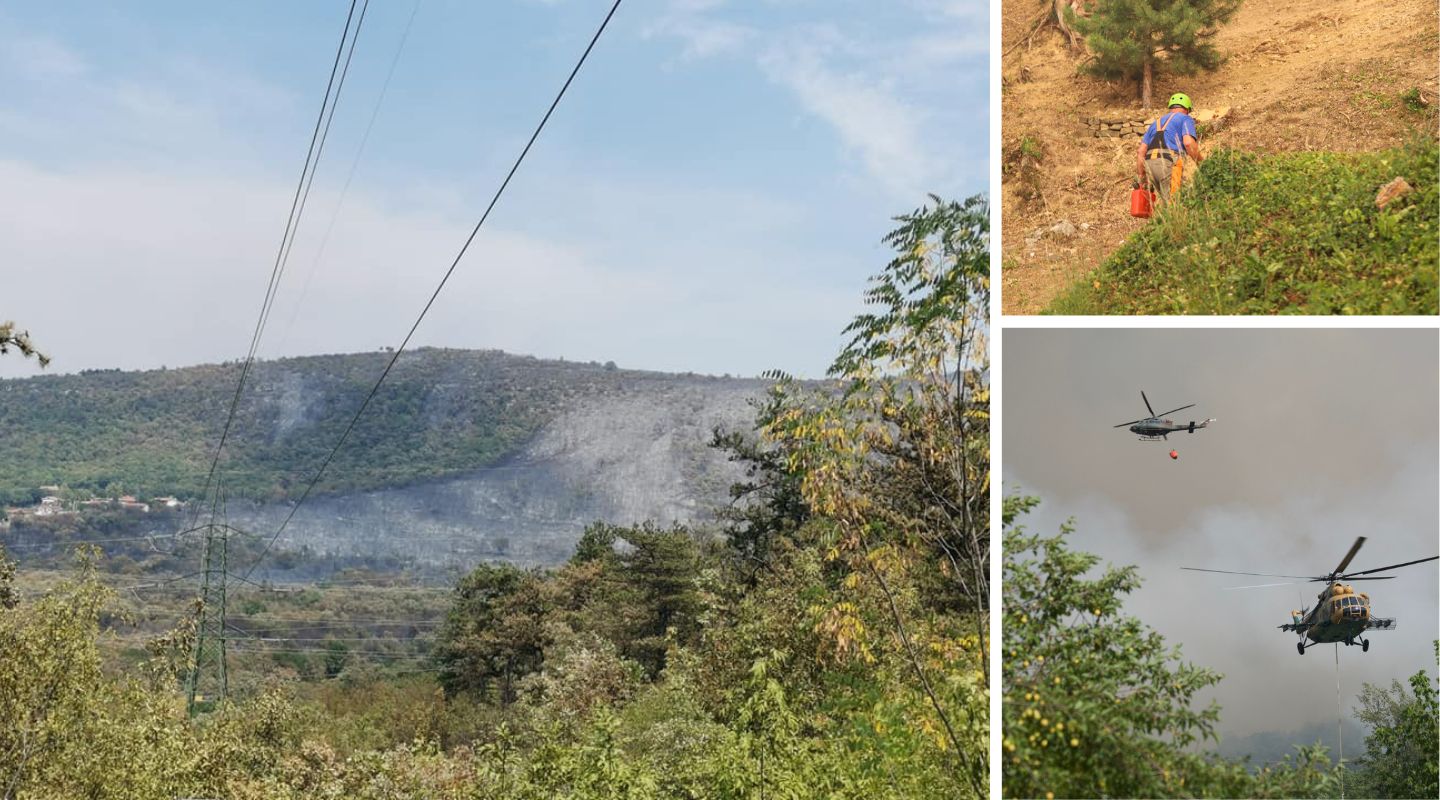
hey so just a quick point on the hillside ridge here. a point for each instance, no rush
(441, 413)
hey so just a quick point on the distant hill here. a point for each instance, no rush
(441, 413)
(1268, 747)
(463, 456)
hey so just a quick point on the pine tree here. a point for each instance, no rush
(1131, 39)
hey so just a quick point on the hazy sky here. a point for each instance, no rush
(1323, 435)
(709, 197)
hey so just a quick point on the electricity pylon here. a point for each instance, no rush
(207, 683)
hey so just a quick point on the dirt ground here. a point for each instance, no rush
(1300, 75)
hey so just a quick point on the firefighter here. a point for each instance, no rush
(1160, 159)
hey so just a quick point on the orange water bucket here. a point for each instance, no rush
(1141, 201)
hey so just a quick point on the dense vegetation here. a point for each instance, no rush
(1133, 40)
(441, 412)
(829, 641)
(1402, 751)
(1297, 233)
(1098, 705)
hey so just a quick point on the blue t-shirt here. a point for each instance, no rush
(1178, 127)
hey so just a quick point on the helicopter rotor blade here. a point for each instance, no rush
(1261, 574)
(1131, 422)
(1382, 569)
(1345, 562)
(1261, 585)
(1173, 410)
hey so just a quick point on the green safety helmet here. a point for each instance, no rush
(1181, 99)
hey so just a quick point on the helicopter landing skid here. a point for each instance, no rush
(1152, 438)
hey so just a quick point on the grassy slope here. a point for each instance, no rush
(440, 412)
(1297, 233)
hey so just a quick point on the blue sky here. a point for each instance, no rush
(709, 197)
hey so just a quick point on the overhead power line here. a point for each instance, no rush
(303, 626)
(270, 619)
(310, 182)
(350, 174)
(312, 158)
(328, 651)
(429, 303)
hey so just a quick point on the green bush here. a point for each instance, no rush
(1297, 233)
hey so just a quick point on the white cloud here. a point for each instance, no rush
(883, 129)
(703, 35)
(42, 58)
(703, 38)
(876, 91)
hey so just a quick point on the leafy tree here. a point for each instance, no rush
(895, 468)
(8, 598)
(1096, 704)
(20, 341)
(47, 662)
(596, 544)
(768, 505)
(1131, 39)
(655, 576)
(495, 633)
(1402, 751)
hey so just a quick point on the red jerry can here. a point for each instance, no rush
(1141, 201)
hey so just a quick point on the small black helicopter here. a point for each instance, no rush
(1342, 614)
(1155, 427)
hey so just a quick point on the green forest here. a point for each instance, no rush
(441, 412)
(827, 638)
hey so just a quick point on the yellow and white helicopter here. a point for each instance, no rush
(1342, 614)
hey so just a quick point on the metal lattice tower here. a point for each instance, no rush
(208, 683)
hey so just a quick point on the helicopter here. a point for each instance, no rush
(1155, 427)
(1342, 614)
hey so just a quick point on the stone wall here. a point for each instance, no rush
(1115, 127)
(1119, 124)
